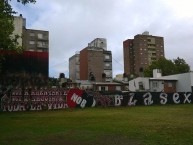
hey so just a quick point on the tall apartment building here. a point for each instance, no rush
(141, 51)
(31, 39)
(95, 62)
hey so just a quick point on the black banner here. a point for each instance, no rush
(52, 99)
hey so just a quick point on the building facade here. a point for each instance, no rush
(19, 24)
(141, 51)
(35, 40)
(34, 60)
(74, 67)
(30, 39)
(98, 42)
(94, 62)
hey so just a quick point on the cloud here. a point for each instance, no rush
(72, 24)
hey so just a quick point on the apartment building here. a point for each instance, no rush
(31, 39)
(35, 40)
(35, 57)
(141, 51)
(94, 62)
(74, 67)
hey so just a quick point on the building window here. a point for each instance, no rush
(31, 34)
(108, 73)
(31, 42)
(40, 36)
(155, 84)
(102, 88)
(107, 57)
(107, 65)
(41, 44)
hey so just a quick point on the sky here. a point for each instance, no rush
(72, 24)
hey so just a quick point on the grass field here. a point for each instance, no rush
(153, 125)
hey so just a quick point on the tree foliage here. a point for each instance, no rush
(168, 67)
(6, 26)
(7, 41)
(26, 1)
(181, 65)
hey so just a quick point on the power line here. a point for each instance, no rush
(121, 65)
(60, 63)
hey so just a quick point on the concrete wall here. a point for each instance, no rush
(156, 86)
(19, 23)
(184, 82)
(134, 84)
(74, 67)
(99, 43)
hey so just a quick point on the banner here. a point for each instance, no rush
(36, 100)
(19, 100)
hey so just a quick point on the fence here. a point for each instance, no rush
(53, 99)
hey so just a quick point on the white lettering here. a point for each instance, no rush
(74, 97)
(187, 98)
(175, 98)
(32, 108)
(163, 97)
(16, 108)
(21, 107)
(49, 106)
(148, 99)
(131, 101)
(83, 103)
(118, 99)
(39, 107)
(10, 108)
(78, 100)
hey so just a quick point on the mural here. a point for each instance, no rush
(36, 100)
(19, 100)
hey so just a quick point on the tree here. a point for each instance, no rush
(6, 26)
(7, 41)
(168, 67)
(26, 1)
(181, 65)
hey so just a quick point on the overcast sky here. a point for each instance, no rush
(72, 24)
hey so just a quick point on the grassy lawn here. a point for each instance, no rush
(141, 125)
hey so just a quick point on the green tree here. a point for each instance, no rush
(168, 67)
(7, 40)
(181, 65)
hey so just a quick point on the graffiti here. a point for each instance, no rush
(34, 101)
(80, 98)
(147, 99)
(104, 100)
(37, 100)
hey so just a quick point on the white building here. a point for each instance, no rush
(172, 83)
(98, 43)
